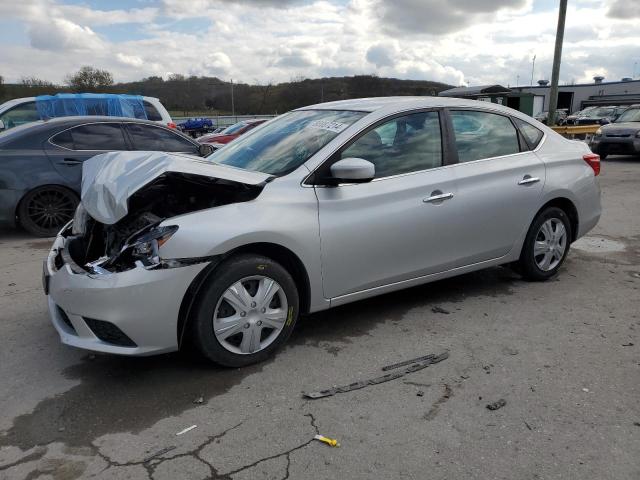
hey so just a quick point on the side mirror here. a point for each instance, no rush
(605, 121)
(205, 149)
(2, 127)
(352, 170)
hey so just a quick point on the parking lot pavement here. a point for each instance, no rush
(565, 355)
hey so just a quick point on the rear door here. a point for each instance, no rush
(499, 181)
(68, 149)
(155, 138)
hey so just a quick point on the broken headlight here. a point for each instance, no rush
(145, 247)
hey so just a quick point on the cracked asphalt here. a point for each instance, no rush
(564, 355)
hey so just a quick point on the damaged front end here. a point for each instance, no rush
(135, 235)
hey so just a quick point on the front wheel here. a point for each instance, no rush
(546, 245)
(245, 311)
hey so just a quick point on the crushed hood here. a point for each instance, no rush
(109, 179)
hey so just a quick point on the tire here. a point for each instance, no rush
(537, 262)
(45, 210)
(250, 337)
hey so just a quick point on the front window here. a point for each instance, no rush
(630, 115)
(287, 142)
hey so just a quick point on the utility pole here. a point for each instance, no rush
(557, 55)
(233, 106)
(533, 69)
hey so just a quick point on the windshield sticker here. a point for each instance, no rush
(335, 127)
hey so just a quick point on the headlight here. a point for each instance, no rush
(145, 247)
(599, 132)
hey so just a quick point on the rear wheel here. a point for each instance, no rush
(546, 245)
(45, 210)
(245, 311)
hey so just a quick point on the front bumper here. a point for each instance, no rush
(615, 145)
(142, 304)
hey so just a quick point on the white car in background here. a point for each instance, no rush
(19, 111)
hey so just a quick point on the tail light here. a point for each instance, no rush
(593, 160)
(172, 125)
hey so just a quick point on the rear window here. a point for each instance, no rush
(531, 134)
(483, 135)
(98, 136)
(152, 112)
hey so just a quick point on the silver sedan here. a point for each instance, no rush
(322, 206)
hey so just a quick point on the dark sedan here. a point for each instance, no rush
(620, 137)
(41, 163)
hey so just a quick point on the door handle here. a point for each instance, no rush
(438, 196)
(71, 161)
(528, 179)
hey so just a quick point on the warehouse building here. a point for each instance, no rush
(577, 97)
(535, 99)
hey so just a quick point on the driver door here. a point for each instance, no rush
(392, 228)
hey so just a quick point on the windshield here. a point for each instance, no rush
(287, 142)
(631, 115)
(599, 112)
(234, 128)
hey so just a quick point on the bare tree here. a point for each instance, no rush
(89, 79)
(35, 82)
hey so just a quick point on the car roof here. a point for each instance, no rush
(399, 104)
(65, 122)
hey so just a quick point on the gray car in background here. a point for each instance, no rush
(322, 206)
(41, 163)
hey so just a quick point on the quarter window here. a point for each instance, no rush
(152, 112)
(531, 134)
(483, 135)
(98, 136)
(405, 144)
(149, 137)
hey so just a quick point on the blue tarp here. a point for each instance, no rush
(72, 104)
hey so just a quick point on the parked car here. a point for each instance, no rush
(230, 133)
(322, 206)
(23, 110)
(41, 163)
(561, 117)
(598, 116)
(196, 126)
(619, 137)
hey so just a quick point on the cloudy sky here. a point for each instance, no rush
(261, 41)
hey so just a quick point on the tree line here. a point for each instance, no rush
(187, 94)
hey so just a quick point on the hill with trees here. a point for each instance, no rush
(212, 95)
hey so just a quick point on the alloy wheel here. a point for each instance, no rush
(50, 210)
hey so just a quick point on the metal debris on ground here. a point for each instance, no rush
(158, 453)
(420, 393)
(440, 310)
(329, 441)
(188, 429)
(496, 405)
(409, 362)
(627, 344)
(414, 366)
